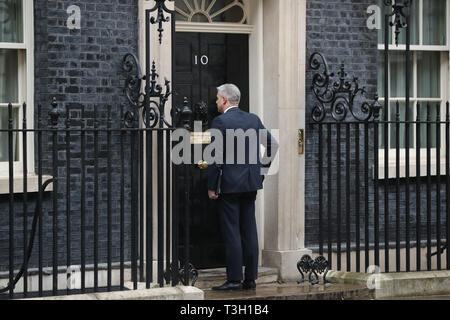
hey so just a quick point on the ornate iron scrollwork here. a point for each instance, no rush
(338, 97)
(399, 16)
(150, 115)
(129, 119)
(439, 250)
(316, 267)
(192, 272)
(184, 115)
(154, 90)
(54, 113)
(160, 6)
(201, 113)
(130, 65)
(304, 266)
(193, 275)
(320, 266)
(152, 100)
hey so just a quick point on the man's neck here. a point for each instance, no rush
(230, 107)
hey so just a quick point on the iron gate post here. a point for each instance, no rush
(149, 105)
(336, 106)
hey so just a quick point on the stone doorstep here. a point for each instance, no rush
(216, 277)
(402, 284)
(268, 288)
(294, 291)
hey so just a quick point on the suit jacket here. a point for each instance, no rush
(242, 176)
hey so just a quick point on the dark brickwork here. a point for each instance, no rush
(338, 30)
(81, 68)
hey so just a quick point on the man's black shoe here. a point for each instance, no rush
(249, 285)
(229, 286)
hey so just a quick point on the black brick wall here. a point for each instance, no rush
(338, 30)
(81, 68)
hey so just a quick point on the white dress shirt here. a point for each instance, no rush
(232, 107)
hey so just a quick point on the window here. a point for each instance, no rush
(429, 76)
(16, 75)
(233, 11)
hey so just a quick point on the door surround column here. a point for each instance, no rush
(161, 55)
(284, 109)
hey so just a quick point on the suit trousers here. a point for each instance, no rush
(239, 232)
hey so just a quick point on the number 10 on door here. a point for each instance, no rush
(204, 60)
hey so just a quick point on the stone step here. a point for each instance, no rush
(294, 291)
(216, 277)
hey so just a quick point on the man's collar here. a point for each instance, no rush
(230, 108)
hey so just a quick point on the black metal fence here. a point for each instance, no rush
(102, 199)
(375, 197)
(384, 174)
(102, 181)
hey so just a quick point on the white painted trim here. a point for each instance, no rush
(26, 89)
(206, 11)
(412, 99)
(29, 94)
(8, 45)
(420, 22)
(392, 168)
(214, 27)
(5, 105)
(32, 184)
(445, 87)
(256, 91)
(221, 27)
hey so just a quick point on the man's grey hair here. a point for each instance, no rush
(231, 92)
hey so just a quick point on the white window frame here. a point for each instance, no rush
(445, 89)
(26, 94)
(217, 27)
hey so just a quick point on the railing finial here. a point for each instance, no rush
(54, 113)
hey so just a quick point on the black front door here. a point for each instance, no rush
(205, 61)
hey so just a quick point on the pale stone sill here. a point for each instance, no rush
(32, 184)
(412, 169)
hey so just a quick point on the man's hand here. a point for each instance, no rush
(212, 195)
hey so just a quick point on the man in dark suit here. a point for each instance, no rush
(234, 180)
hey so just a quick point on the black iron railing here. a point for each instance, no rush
(345, 124)
(98, 216)
(99, 212)
(374, 196)
(363, 208)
